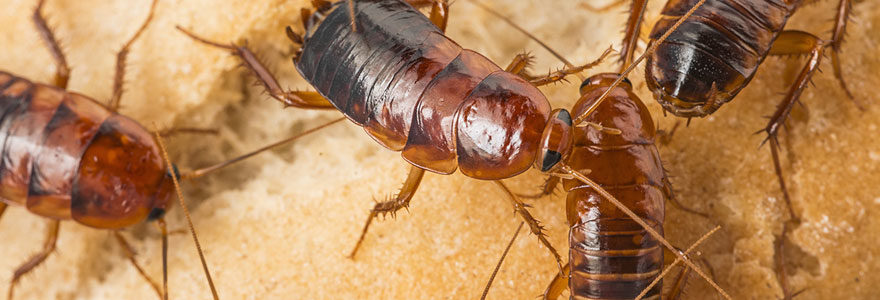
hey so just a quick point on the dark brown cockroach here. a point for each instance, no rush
(67, 157)
(717, 53)
(392, 71)
(693, 74)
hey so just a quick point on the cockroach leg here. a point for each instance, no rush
(439, 11)
(391, 206)
(3, 208)
(130, 254)
(791, 43)
(561, 74)
(547, 188)
(631, 33)
(535, 226)
(558, 285)
(62, 70)
(667, 191)
(48, 247)
(300, 99)
(844, 9)
(781, 273)
(121, 57)
(679, 254)
(665, 137)
(520, 65)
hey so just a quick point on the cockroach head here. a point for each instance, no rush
(556, 141)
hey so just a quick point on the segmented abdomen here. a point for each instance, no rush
(612, 256)
(713, 54)
(414, 90)
(62, 153)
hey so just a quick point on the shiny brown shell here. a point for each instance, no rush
(65, 156)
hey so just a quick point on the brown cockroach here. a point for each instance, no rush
(692, 75)
(392, 71)
(716, 54)
(69, 157)
(611, 256)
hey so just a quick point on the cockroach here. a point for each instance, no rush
(611, 256)
(392, 71)
(693, 74)
(717, 53)
(69, 157)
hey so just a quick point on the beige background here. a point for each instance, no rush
(278, 226)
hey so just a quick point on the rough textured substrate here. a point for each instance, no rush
(279, 225)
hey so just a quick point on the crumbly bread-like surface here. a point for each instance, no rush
(279, 226)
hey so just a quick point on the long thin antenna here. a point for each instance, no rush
(201, 172)
(523, 31)
(593, 185)
(582, 117)
(189, 222)
(500, 261)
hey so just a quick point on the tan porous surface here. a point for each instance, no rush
(279, 225)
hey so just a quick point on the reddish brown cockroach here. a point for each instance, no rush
(68, 157)
(393, 72)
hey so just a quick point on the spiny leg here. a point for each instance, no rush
(791, 43)
(537, 229)
(300, 99)
(520, 64)
(130, 254)
(391, 206)
(2, 208)
(561, 74)
(844, 9)
(48, 246)
(121, 56)
(62, 70)
(631, 33)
